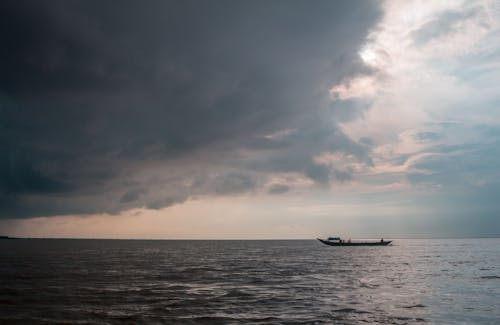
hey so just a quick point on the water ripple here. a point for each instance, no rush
(259, 282)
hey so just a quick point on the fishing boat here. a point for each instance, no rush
(337, 241)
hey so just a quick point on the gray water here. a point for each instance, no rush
(266, 282)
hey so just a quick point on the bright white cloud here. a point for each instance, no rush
(432, 62)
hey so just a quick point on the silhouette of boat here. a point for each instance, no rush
(337, 241)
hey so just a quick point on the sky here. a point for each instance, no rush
(249, 119)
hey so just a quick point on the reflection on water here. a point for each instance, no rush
(102, 281)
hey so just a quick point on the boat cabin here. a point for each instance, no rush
(333, 238)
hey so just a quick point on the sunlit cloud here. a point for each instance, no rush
(425, 60)
(360, 87)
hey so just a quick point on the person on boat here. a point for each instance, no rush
(382, 240)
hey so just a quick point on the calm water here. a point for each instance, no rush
(292, 282)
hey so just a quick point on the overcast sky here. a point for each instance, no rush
(249, 119)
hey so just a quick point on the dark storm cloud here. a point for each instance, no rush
(233, 183)
(102, 103)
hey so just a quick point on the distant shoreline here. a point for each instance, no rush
(265, 239)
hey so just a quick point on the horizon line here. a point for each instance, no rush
(492, 236)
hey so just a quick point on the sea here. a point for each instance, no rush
(74, 281)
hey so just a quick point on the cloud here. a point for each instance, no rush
(429, 105)
(233, 183)
(131, 195)
(278, 188)
(103, 110)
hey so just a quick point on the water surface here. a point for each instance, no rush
(293, 282)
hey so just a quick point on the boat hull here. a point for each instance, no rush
(375, 243)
